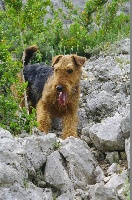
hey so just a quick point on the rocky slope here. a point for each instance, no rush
(93, 167)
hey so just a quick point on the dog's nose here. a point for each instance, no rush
(59, 88)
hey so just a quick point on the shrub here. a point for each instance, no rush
(12, 117)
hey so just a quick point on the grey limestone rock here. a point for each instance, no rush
(9, 175)
(127, 149)
(111, 132)
(7, 142)
(112, 157)
(15, 171)
(99, 174)
(55, 173)
(100, 192)
(37, 148)
(18, 192)
(108, 135)
(80, 162)
(113, 168)
(83, 119)
(117, 181)
(101, 105)
(66, 196)
(125, 123)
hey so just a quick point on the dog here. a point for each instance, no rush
(54, 91)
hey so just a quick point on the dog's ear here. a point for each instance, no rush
(56, 59)
(79, 60)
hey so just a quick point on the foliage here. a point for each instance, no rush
(127, 190)
(12, 117)
(22, 25)
(102, 23)
(99, 23)
(57, 145)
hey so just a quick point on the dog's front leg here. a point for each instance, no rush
(69, 125)
(43, 117)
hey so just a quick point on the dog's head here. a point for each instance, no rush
(67, 73)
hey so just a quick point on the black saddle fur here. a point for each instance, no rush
(36, 75)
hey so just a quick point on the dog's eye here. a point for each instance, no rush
(69, 71)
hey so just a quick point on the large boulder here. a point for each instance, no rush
(56, 174)
(100, 192)
(109, 135)
(81, 164)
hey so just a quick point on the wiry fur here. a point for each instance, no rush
(48, 84)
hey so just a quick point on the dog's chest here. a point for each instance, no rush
(58, 110)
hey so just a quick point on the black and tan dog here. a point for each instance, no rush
(54, 91)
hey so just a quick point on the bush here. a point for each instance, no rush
(99, 23)
(22, 25)
(12, 117)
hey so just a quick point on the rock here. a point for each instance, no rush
(100, 192)
(127, 149)
(117, 181)
(112, 157)
(80, 162)
(125, 123)
(107, 135)
(83, 121)
(123, 155)
(56, 124)
(81, 194)
(101, 104)
(15, 156)
(106, 179)
(99, 155)
(9, 175)
(75, 3)
(110, 134)
(12, 159)
(37, 148)
(55, 173)
(125, 8)
(31, 192)
(47, 194)
(86, 139)
(66, 196)
(113, 168)
(99, 174)
(2, 5)
(60, 4)
(123, 45)
(7, 142)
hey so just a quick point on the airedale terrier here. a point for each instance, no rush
(54, 91)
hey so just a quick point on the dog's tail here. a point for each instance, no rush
(29, 51)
